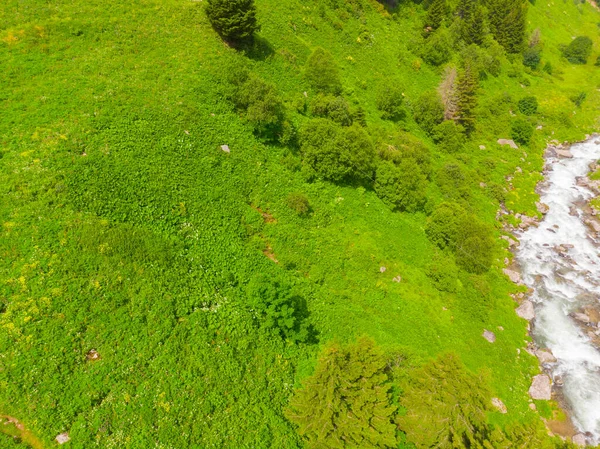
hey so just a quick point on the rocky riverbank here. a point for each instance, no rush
(555, 257)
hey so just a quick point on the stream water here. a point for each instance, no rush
(560, 260)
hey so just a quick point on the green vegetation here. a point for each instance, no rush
(578, 51)
(235, 20)
(346, 402)
(186, 225)
(528, 105)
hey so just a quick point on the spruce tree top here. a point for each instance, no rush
(234, 20)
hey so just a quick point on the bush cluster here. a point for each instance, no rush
(452, 228)
(528, 105)
(578, 51)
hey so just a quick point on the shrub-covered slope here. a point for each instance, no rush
(207, 281)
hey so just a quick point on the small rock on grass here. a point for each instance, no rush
(489, 336)
(526, 311)
(62, 438)
(541, 388)
(496, 402)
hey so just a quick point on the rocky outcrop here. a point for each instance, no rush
(541, 388)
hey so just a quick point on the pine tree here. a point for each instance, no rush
(436, 14)
(446, 406)
(472, 24)
(467, 97)
(234, 20)
(346, 402)
(508, 23)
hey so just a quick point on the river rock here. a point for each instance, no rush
(62, 438)
(542, 208)
(489, 336)
(526, 311)
(513, 275)
(545, 356)
(593, 224)
(496, 402)
(482, 147)
(508, 142)
(225, 148)
(541, 388)
(579, 440)
(582, 317)
(564, 153)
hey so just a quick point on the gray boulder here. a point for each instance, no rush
(541, 388)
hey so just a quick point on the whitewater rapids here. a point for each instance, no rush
(564, 280)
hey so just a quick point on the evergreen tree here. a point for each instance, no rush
(472, 25)
(467, 97)
(234, 20)
(346, 402)
(436, 14)
(508, 23)
(446, 406)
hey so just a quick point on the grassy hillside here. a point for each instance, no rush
(127, 230)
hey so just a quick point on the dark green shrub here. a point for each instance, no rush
(548, 68)
(428, 111)
(449, 136)
(452, 181)
(260, 105)
(322, 72)
(443, 274)
(532, 58)
(521, 131)
(438, 48)
(402, 186)
(528, 105)
(597, 63)
(298, 202)
(277, 308)
(474, 251)
(234, 20)
(578, 98)
(471, 241)
(578, 50)
(335, 108)
(443, 225)
(389, 102)
(337, 153)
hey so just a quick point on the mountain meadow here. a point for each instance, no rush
(275, 224)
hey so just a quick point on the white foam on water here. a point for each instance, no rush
(564, 283)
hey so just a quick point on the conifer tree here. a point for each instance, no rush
(346, 403)
(467, 97)
(508, 23)
(234, 20)
(436, 14)
(472, 22)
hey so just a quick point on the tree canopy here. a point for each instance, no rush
(346, 403)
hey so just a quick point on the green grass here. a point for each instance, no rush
(142, 247)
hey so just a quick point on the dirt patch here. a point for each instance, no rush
(268, 251)
(13, 427)
(267, 217)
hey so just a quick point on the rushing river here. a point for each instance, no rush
(560, 260)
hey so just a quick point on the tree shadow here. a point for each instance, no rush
(259, 49)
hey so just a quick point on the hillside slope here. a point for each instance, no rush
(128, 231)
